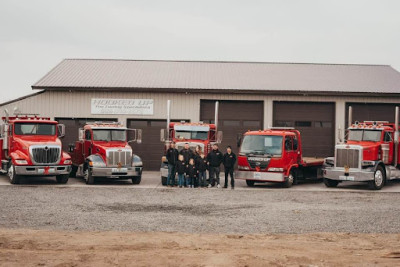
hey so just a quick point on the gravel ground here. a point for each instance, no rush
(198, 210)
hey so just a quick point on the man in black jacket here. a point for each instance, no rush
(229, 164)
(214, 159)
(172, 157)
(187, 153)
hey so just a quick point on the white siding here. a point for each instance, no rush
(184, 105)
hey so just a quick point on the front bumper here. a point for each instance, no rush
(43, 170)
(353, 175)
(116, 172)
(260, 176)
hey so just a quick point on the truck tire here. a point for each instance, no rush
(89, 176)
(136, 179)
(289, 181)
(330, 183)
(74, 169)
(163, 180)
(62, 179)
(250, 183)
(14, 178)
(379, 179)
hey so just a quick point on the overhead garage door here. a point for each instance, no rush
(315, 121)
(72, 126)
(371, 112)
(235, 118)
(151, 149)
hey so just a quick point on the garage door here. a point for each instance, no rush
(371, 112)
(315, 121)
(235, 117)
(151, 149)
(72, 128)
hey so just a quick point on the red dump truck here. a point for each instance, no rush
(275, 155)
(369, 154)
(30, 146)
(103, 150)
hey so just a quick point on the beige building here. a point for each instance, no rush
(311, 97)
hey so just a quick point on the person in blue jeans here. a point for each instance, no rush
(181, 170)
(172, 157)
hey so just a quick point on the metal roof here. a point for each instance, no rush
(213, 76)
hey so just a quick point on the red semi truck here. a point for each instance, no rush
(202, 134)
(104, 151)
(275, 155)
(30, 146)
(369, 154)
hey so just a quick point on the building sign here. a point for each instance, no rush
(122, 106)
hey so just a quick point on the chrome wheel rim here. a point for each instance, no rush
(11, 173)
(290, 179)
(378, 178)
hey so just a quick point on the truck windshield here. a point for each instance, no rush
(109, 135)
(262, 144)
(191, 135)
(365, 135)
(34, 129)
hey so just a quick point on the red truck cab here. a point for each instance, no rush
(275, 155)
(103, 150)
(30, 146)
(369, 154)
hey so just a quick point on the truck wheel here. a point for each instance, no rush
(14, 178)
(136, 179)
(289, 181)
(74, 169)
(379, 179)
(250, 183)
(62, 179)
(330, 183)
(89, 176)
(163, 180)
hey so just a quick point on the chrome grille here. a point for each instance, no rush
(119, 157)
(46, 155)
(347, 157)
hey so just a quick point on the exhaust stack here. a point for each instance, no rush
(6, 128)
(396, 136)
(216, 115)
(168, 117)
(350, 120)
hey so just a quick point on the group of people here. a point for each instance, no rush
(191, 167)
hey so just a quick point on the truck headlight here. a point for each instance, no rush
(275, 169)
(243, 168)
(67, 161)
(367, 163)
(21, 162)
(137, 161)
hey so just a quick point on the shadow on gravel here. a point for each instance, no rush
(192, 210)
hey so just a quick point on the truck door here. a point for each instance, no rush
(388, 139)
(290, 153)
(87, 144)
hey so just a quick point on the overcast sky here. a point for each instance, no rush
(37, 35)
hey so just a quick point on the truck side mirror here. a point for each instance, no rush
(139, 136)
(238, 139)
(61, 130)
(162, 135)
(71, 148)
(219, 137)
(81, 134)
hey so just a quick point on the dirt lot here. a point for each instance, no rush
(62, 248)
